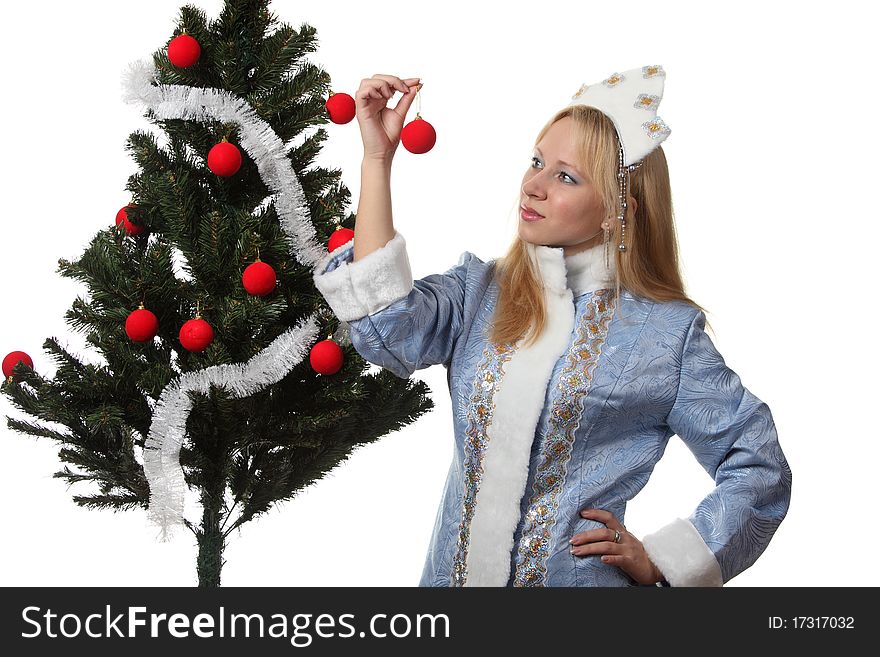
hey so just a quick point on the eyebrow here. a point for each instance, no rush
(560, 161)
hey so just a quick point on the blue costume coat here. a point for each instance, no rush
(576, 420)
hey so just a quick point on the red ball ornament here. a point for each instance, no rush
(141, 325)
(196, 335)
(339, 237)
(184, 51)
(258, 278)
(341, 108)
(326, 357)
(131, 228)
(418, 136)
(224, 159)
(12, 359)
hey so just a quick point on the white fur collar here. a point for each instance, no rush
(582, 272)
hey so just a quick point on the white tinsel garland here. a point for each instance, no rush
(256, 136)
(168, 427)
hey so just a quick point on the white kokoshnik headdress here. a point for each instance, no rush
(630, 100)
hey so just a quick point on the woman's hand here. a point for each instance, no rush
(629, 554)
(380, 125)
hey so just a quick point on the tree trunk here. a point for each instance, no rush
(211, 544)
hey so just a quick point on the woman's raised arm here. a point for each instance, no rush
(380, 128)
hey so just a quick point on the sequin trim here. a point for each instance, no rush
(479, 415)
(614, 80)
(647, 101)
(656, 129)
(574, 385)
(653, 71)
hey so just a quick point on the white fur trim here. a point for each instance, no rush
(519, 400)
(586, 270)
(682, 555)
(581, 272)
(357, 289)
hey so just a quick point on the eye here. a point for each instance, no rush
(561, 173)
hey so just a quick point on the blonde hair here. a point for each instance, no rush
(650, 265)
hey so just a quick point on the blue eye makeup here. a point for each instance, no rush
(561, 172)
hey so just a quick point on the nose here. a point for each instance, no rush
(533, 186)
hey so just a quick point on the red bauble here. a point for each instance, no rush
(184, 51)
(341, 108)
(224, 159)
(339, 237)
(258, 278)
(196, 335)
(418, 136)
(326, 357)
(141, 325)
(12, 359)
(131, 228)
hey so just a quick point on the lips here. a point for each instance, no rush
(527, 214)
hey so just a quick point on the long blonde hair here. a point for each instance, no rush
(650, 265)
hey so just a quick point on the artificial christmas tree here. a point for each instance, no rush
(244, 421)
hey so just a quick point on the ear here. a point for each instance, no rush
(632, 203)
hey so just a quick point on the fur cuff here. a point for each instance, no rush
(357, 289)
(682, 555)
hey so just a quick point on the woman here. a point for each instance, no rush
(571, 361)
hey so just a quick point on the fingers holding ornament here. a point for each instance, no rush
(369, 104)
(418, 136)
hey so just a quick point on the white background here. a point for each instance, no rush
(772, 108)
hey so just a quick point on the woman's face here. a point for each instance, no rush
(556, 187)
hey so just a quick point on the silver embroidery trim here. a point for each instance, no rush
(574, 385)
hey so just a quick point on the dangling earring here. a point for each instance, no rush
(607, 242)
